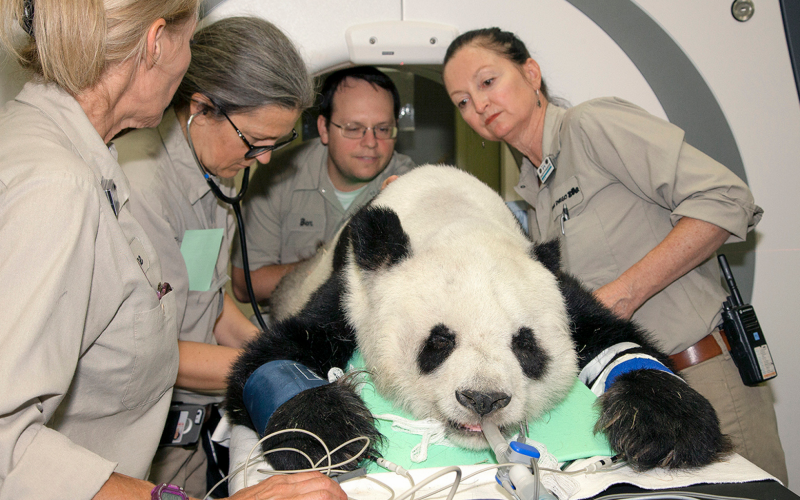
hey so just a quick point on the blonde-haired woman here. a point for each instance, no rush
(89, 345)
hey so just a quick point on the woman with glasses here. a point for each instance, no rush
(239, 100)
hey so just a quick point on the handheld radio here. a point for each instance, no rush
(749, 348)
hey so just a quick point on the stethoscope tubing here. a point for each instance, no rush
(234, 202)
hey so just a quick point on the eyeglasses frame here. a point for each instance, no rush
(256, 151)
(374, 134)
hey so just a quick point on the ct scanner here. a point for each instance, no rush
(728, 83)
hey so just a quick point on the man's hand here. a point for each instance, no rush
(388, 181)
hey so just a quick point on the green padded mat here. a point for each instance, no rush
(567, 431)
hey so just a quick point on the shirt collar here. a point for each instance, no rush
(551, 146)
(58, 105)
(551, 141)
(315, 178)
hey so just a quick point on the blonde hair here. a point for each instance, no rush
(72, 42)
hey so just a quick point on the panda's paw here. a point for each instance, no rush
(336, 414)
(656, 420)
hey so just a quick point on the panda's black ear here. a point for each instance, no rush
(378, 238)
(549, 254)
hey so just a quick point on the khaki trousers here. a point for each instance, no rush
(746, 414)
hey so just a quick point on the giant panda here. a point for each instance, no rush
(459, 317)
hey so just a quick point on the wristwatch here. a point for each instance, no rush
(166, 491)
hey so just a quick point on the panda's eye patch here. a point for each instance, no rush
(531, 357)
(438, 346)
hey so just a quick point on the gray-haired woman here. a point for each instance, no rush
(239, 100)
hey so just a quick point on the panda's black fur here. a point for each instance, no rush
(652, 417)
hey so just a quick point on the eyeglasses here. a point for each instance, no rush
(255, 151)
(355, 131)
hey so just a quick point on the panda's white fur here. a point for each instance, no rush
(470, 269)
(460, 318)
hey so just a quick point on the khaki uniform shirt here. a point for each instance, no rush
(623, 178)
(169, 196)
(292, 207)
(88, 352)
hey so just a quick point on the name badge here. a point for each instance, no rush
(545, 169)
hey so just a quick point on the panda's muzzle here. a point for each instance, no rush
(483, 403)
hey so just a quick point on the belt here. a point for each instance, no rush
(705, 349)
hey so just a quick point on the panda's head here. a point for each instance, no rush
(456, 319)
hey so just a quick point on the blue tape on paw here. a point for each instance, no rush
(634, 364)
(273, 384)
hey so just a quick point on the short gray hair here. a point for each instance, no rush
(244, 63)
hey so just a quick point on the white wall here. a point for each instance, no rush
(747, 67)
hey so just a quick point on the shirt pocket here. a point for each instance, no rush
(155, 365)
(587, 254)
(304, 232)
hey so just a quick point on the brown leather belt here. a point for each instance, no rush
(706, 348)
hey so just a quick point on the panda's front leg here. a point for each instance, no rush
(336, 414)
(279, 382)
(656, 419)
(648, 414)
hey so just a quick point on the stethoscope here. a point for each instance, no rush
(234, 202)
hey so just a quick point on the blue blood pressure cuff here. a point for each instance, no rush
(613, 362)
(273, 384)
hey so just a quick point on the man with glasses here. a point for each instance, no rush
(302, 198)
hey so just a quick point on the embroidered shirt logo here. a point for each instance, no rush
(304, 222)
(569, 194)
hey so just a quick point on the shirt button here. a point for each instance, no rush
(522, 186)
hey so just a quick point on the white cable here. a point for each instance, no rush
(604, 465)
(433, 477)
(328, 469)
(354, 457)
(391, 466)
(490, 467)
(277, 433)
(381, 483)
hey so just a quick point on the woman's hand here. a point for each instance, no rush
(688, 244)
(618, 296)
(300, 486)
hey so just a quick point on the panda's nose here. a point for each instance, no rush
(483, 403)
